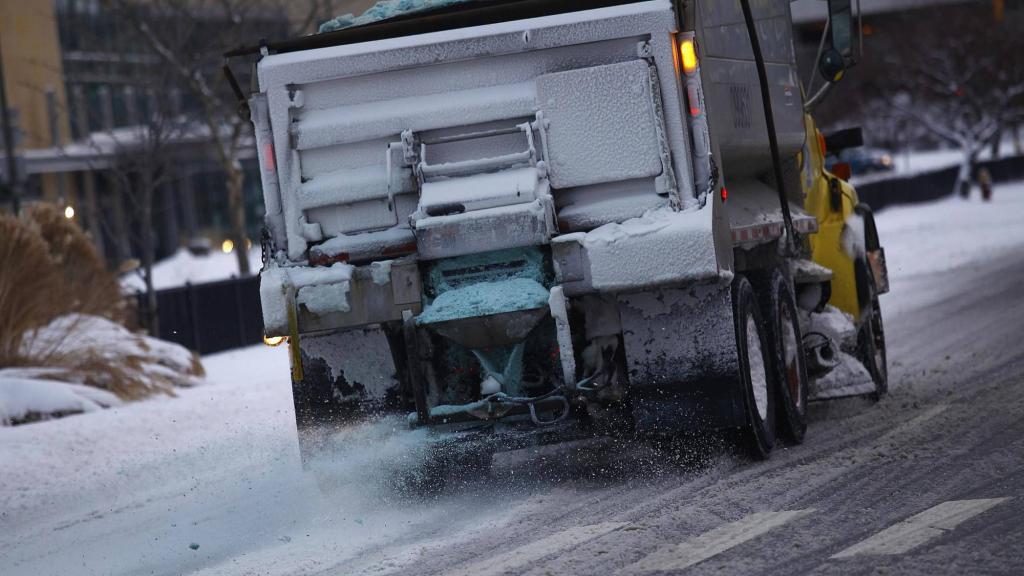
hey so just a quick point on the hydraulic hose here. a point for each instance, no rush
(769, 117)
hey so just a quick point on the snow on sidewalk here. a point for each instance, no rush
(924, 242)
(952, 233)
(206, 483)
(48, 467)
(186, 268)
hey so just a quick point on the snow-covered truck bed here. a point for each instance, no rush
(512, 214)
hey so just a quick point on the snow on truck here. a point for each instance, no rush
(522, 220)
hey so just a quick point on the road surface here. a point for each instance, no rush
(928, 481)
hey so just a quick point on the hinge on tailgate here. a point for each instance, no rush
(410, 148)
(643, 50)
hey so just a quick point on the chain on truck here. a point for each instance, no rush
(528, 220)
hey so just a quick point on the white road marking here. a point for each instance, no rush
(921, 528)
(712, 543)
(517, 558)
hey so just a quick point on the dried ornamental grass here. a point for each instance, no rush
(97, 352)
(93, 289)
(31, 290)
(61, 322)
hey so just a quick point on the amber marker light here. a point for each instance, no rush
(274, 340)
(689, 54)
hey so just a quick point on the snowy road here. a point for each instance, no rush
(931, 480)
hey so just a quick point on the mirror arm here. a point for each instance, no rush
(860, 31)
(821, 50)
(818, 97)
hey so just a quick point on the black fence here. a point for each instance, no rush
(910, 189)
(928, 186)
(1006, 169)
(219, 316)
(209, 318)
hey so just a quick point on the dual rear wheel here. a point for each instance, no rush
(771, 361)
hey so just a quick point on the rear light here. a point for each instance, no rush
(842, 170)
(688, 51)
(694, 100)
(725, 194)
(269, 161)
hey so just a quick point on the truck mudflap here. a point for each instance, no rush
(680, 346)
(346, 374)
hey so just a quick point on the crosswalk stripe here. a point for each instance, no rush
(921, 528)
(517, 558)
(712, 543)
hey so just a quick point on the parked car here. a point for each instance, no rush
(863, 160)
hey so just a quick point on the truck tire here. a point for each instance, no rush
(757, 437)
(871, 332)
(778, 305)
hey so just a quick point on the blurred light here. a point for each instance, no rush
(842, 170)
(694, 99)
(69, 212)
(248, 244)
(886, 160)
(689, 52)
(269, 161)
(274, 340)
(227, 246)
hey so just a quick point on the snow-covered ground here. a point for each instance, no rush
(187, 268)
(210, 483)
(77, 363)
(922, 241)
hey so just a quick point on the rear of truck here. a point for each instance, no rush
(520, 223)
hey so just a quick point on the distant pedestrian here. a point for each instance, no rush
(985, 183)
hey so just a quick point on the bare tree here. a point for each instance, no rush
(963, 88)
(189, 37)
(142, 163)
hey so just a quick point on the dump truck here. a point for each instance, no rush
(526, 220)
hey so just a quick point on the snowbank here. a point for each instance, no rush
(187, 268)
(86, 363)
(28, 399)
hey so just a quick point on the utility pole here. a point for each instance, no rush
(12, 167)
